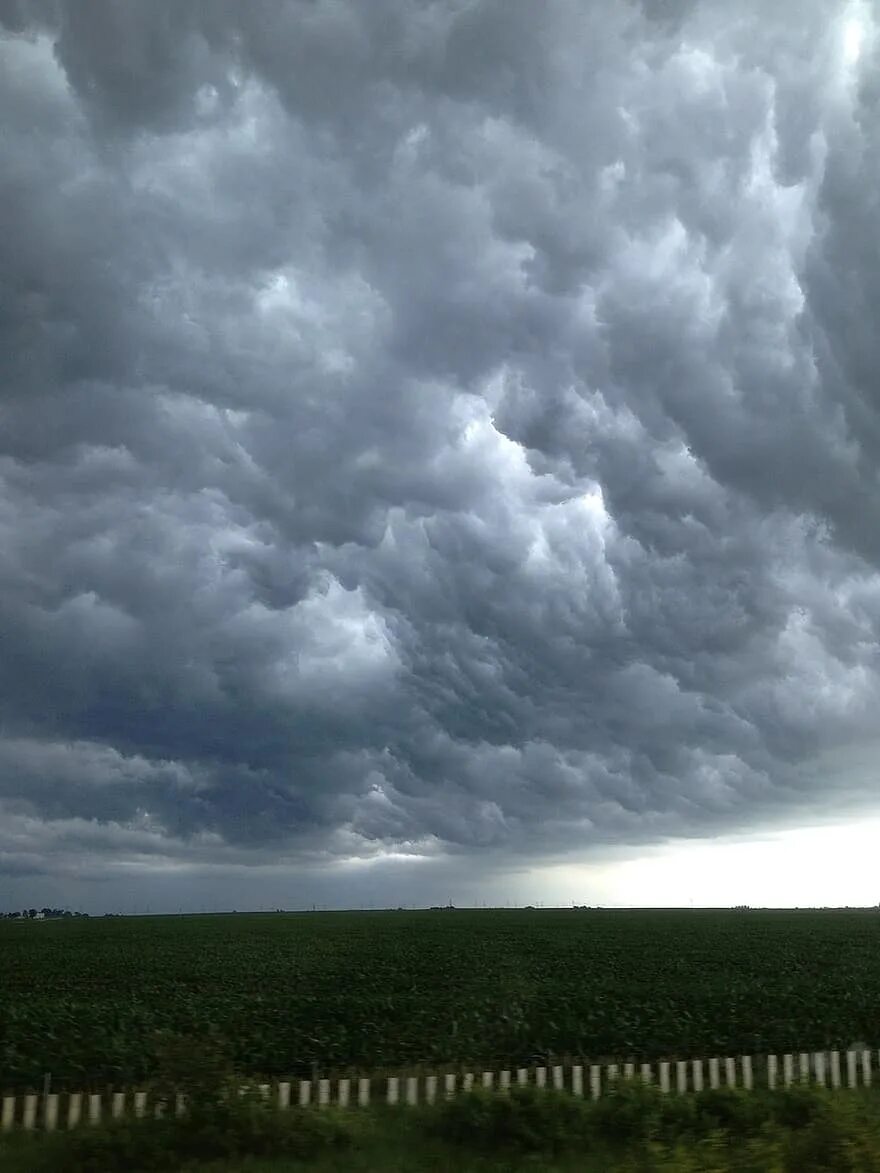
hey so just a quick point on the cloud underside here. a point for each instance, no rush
(442, 428)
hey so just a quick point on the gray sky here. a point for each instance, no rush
(438, 442)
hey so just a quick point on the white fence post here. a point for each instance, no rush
(504, 1080)
(697, 1074)
(7, 1118)
(577, 1080)
(866, 1068)
(647, 1073)
(323, 1092)
(629, 1070)
(140, 1104)
(344, 1092)
(771, 1071)
(74, 1109)
(788, 1070)
(487, 1079)
(851, 1075)
(449, 1081)
(804, 1062)
(595, 1081)
(558, 1078)
(819, 1067)
(284, 1095)
(540, 1077)
(467, 1081)
(117, 1109)
(714, 1072)
(835, 1069)
(730, 1071)
(664, 1076)
(363, 1090)
(393, 1089)
(29, 1119)
(431, 1088)
(50, 1112)
(681, 1076)
(748, 1079)
(522, 1076)
(612, 1072)
(412, 1089)
(305, 1092)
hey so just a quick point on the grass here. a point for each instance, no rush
(85, 999)
(633, 1130)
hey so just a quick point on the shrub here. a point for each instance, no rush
(630, 1111)
(525, 1119)
(234, 1130)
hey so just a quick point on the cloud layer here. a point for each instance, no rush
(440, 428)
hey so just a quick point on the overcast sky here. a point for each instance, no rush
(439, 448)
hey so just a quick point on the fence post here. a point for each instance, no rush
(866, 1068)
(788, 1070)
(835, 1069)
(412, 1090)
(323, 1092)
(595, 1081)
(74, 1109)
(748, 1080)
(29, 1119)
(363, 1091)
(577, 1080)
(714, 1072)
(343, 1092)
(50, 1112)
(487, 1079)
(647, 1074)
(522, 1076)
(284, 1095)
(681, 1076)
(140, 1104)
(504, 1080)
(305, 1092)
(393, 1086)
(664, 1076)
(804, 1066)
(540, 1077)
(771, 1071)
(449, 1081)
(431, 1086)
(7, 1119)
(629, 1070)
(697, 1074)
(851, 1076)
(117, 1109)
(819, 1067)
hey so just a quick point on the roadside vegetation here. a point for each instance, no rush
(633, 1129)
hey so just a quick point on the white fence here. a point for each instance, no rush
(834, 1069)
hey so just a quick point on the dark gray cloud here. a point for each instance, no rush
(438, 428)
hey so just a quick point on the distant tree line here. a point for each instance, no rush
(40, 914)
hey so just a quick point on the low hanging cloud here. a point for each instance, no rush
(433, 428)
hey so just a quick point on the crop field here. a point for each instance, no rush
(83, 999)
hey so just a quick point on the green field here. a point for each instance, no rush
(83, 999)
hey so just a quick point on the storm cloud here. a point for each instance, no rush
(436, 428)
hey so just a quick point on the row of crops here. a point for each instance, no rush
(84, 1000)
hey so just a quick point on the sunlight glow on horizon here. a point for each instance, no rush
(819, 866)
